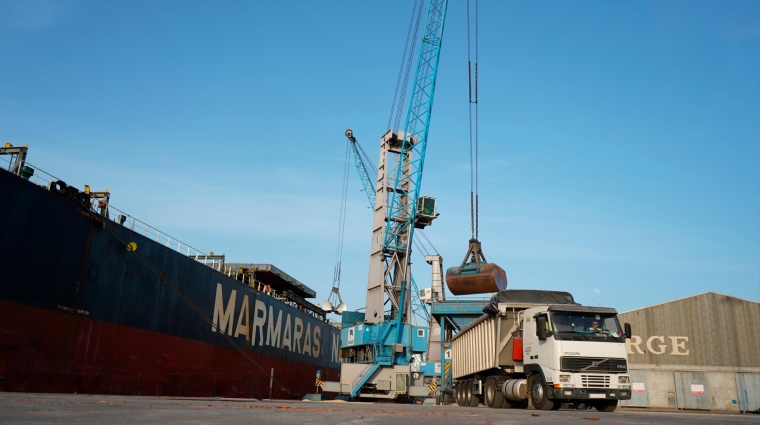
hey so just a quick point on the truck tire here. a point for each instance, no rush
(538, 394)
(606, 405)
(472, 398)
(458, 394)
(493, 397)
(475, 400)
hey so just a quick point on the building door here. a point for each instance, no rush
(748, 391)
(691, 391)
(638, 389)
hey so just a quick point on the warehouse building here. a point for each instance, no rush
(701, 352)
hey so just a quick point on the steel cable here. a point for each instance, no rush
(473, 129)
(342, 218)
(406, 58)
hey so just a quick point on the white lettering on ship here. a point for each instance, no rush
(267, 327)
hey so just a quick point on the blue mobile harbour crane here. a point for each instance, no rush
(378, 352)
(381, 349)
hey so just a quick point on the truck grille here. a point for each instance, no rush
(595, 381)
(593, 364)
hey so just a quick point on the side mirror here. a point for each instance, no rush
(627, 327)
(541, 328)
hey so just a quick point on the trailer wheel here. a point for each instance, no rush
(474, 399)
(493, 397)
(606, 405)
(458, 394)
(470, 399)
(538, 394)
(466, 392)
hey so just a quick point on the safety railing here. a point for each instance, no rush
(43, 178)
(140, 227)
(266, 289)
(40, 176)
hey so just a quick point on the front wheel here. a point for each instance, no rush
(538, 394)
(606, 405)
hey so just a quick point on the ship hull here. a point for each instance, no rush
(60, 353)
(79, 312)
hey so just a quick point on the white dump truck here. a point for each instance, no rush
(543, 348)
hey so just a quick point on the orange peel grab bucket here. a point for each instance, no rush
(473, 279)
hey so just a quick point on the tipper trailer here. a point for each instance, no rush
(542, 347)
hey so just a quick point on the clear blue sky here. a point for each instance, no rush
(620, 141)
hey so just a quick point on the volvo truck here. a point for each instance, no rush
(530, 351)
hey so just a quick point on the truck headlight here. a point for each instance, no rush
(564, 378)
(624, 379)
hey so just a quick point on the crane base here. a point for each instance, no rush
(471, 279)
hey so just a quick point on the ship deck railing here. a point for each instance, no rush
(268, 290)
(216, 262)
(40, 176)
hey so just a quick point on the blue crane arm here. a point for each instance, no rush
(369, 185)
(402, 209)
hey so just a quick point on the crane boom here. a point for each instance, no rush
(361, 168)
(402, 207)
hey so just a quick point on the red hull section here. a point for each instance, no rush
(48, 351)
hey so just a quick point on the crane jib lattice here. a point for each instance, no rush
(408, 173)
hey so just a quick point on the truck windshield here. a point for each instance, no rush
(585, 326)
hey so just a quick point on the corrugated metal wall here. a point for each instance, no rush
(692, 391)
(748, 391)
(701, 352)
(695, 390)
(708, 329)
(639, 393)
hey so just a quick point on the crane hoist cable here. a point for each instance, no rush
(475, 275)
(473, 105)
(330, 304)
(402, 82)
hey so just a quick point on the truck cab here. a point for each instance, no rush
(574, 353)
